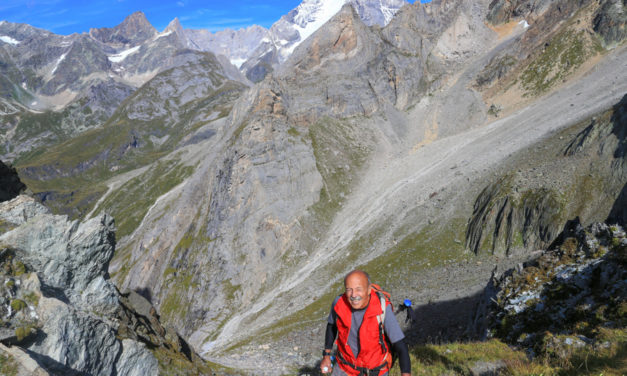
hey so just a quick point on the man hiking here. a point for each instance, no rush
(363, 347)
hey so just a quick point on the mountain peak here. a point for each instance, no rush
(136, 17)
(174, 26)
(136, 24)
(133, 30)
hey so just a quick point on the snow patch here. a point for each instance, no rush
(23, 85)
(122, 55)
(238, 62)
(312, 15)
(164, 34)
(9, 40)
(524, 23)
(56, 65)
(388, 14)
(34, 103)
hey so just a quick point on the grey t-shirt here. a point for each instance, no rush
(390, 325)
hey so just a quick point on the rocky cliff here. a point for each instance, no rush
(10, 183)
(526, 208)
(62, 314)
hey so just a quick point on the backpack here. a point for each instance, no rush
(384, 298)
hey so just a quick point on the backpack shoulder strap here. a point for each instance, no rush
(384, 298)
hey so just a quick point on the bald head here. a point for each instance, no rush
(358, 273)
(357, 284)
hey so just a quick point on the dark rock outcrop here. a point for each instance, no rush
(619, 209)
(10, 183)
(504, 219)
(610, 21)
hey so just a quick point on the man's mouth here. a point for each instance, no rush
(355, 298)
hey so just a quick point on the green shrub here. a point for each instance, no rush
(32, 298)
(18, 268)
(8, 366)
(18, 305)
(23, 331)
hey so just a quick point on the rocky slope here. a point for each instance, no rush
(265, 175)
(525, 208)
(564, 299)
(61, 313)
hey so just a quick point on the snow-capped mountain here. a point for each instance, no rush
(293, 28)
(257, 51)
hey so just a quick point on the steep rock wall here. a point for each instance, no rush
(10, 183)
(515, 212)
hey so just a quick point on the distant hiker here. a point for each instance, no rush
(363, 344)
(406, 306)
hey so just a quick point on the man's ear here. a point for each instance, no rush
(369, 289)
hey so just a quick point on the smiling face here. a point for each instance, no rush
(357, 290)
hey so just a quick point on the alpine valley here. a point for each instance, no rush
(185, 202)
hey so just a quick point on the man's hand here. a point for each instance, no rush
(325, 365)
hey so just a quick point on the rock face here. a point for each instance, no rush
(60, 305)
(515, 212)
(134, 30)
(502, 220)
(610, 21)
(564, 298)
(238, 46)
(10, 183)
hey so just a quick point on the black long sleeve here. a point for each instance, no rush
(403, 356)
(329, 337)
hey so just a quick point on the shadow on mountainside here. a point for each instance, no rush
(618, 214)
(440, 322)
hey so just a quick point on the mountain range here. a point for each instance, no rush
(247, 171)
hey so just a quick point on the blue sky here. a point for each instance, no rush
(76, 16)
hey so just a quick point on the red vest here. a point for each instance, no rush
(370, 355)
